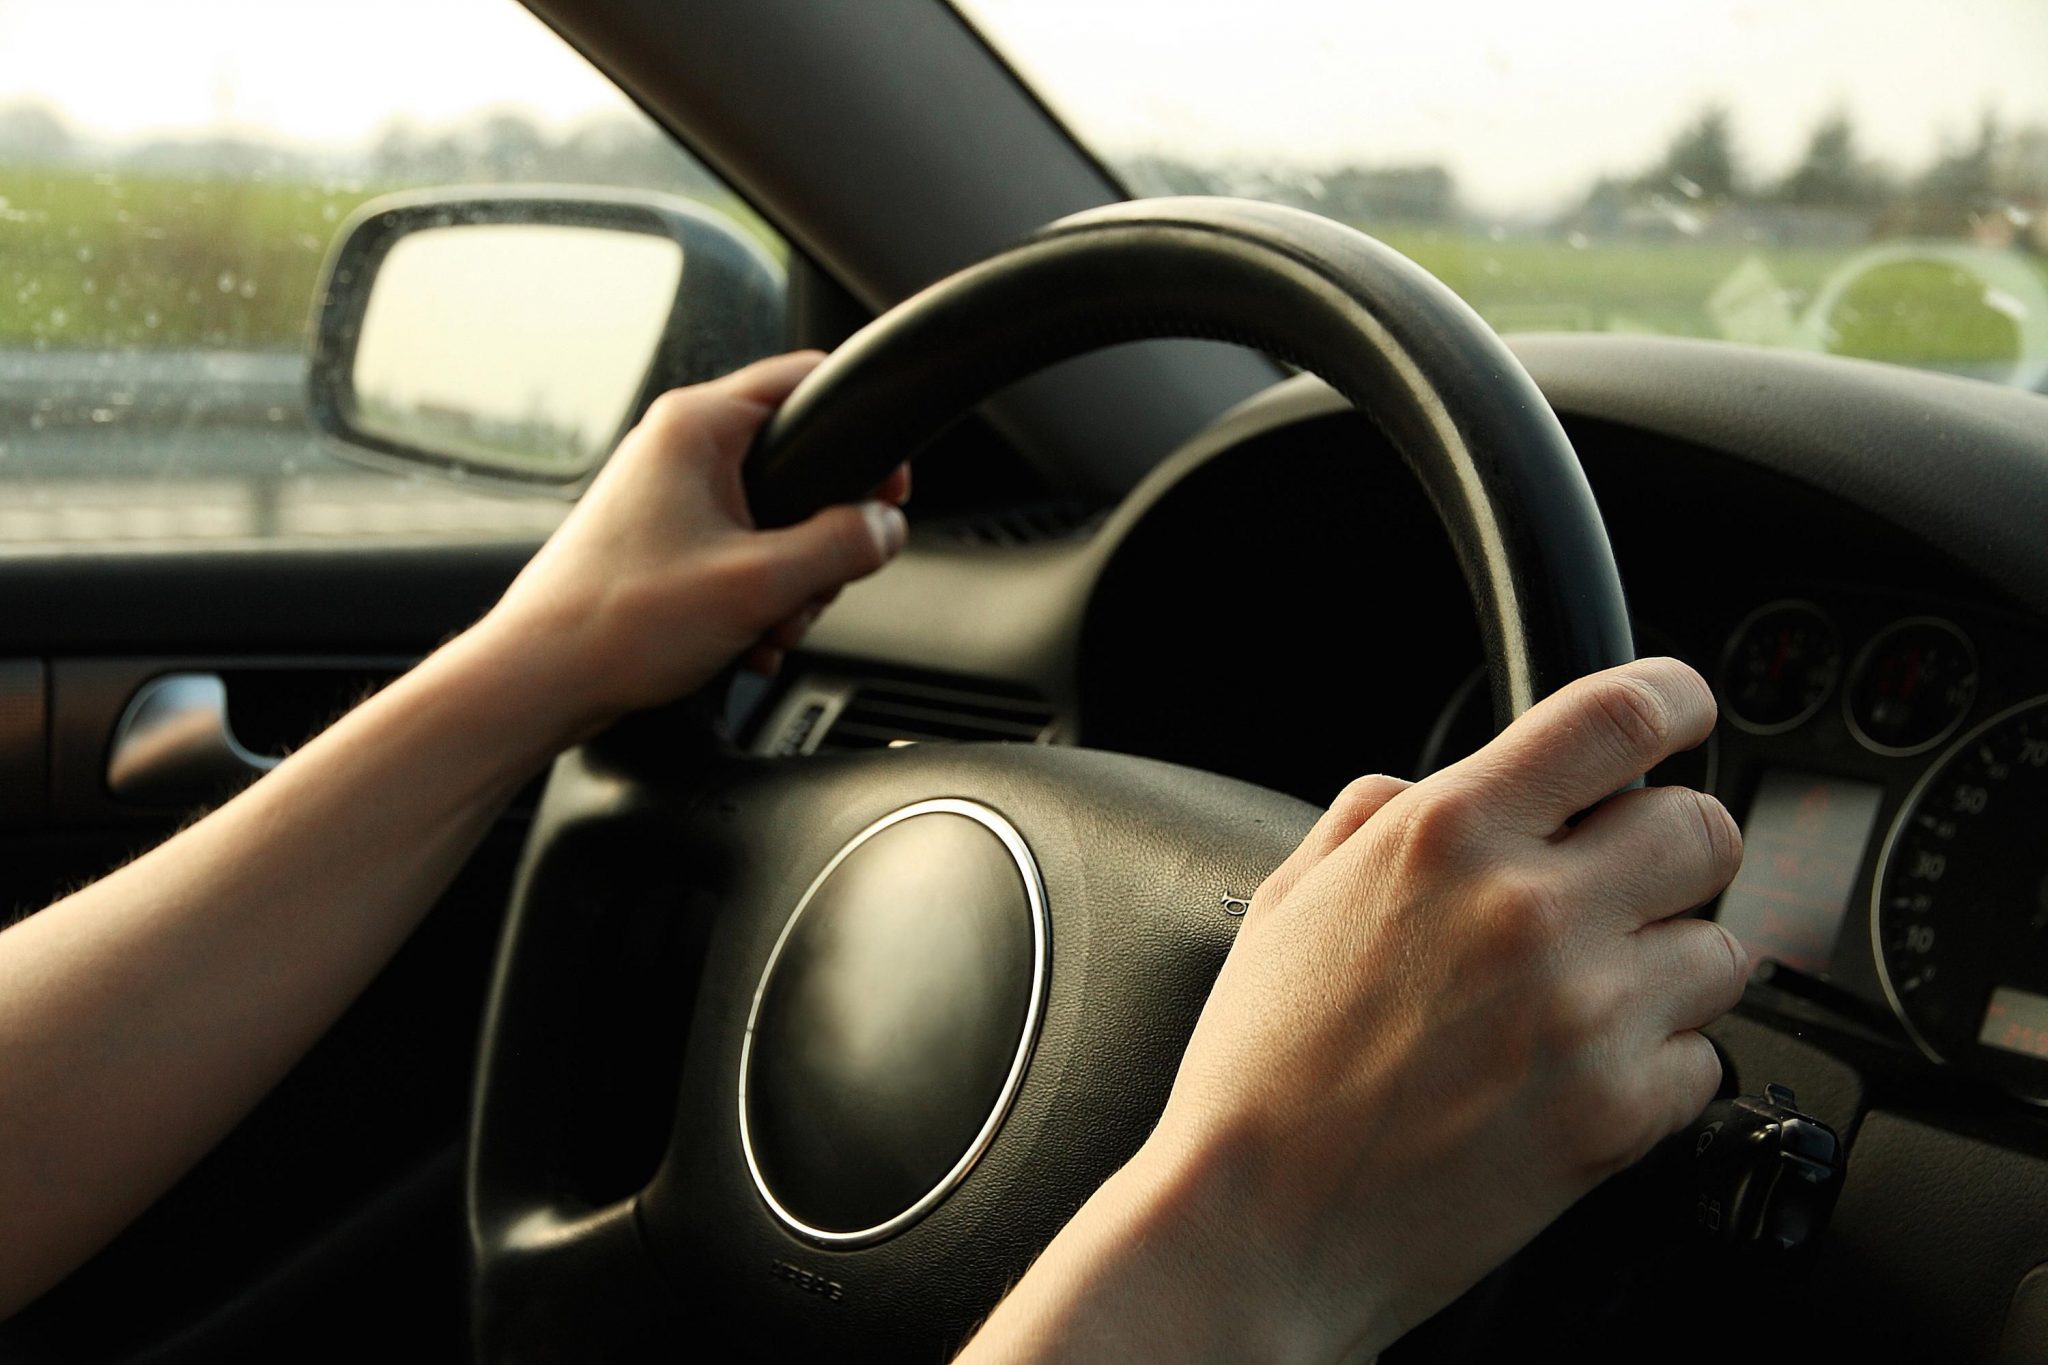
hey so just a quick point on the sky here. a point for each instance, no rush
(321, 71)
(1525, 100)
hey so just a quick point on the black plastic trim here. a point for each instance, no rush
(827, 118)
(1960, 464)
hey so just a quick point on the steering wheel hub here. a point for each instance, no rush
(893, 1023)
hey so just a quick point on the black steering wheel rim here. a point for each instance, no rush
(1452, 399)
(1407, 352)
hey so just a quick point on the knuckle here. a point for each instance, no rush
(860, 546)
(1618, 1114)
(1526, 918)
(668, 409)
(1435, 827)
(1636, 715)
(1362, 797)
(1575, 1016)
(1722, 839)
(1736, 962)
(1703, 1084)
(1696, 1082)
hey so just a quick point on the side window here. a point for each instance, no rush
(165, 206)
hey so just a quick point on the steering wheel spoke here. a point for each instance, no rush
(1142, 872)
(554, 1284)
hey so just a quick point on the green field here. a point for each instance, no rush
(103, 262)
(1629, 286)
(1917, 313)
(99, 261)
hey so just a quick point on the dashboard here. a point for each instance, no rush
(1886, 754)
(1882, 718)
(1852, 559)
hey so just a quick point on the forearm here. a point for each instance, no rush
(1151, 1269)
(142, 1016)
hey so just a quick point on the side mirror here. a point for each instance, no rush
(513, 336)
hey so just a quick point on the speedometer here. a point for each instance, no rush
(1961, 914)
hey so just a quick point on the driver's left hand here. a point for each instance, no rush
(658, 578)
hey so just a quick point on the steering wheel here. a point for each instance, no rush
(932, 998)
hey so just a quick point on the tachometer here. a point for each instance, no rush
(1912, 686)
(1960, 919)
(1779, 667)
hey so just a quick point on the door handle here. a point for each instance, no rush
(174, 746)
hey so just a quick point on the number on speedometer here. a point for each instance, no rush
(1961, 919)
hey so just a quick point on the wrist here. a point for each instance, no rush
(521, 685)
(1168, 1261)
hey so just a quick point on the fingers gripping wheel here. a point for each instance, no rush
(1381, 330)
(1136, 857)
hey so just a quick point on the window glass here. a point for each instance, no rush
(1861, 177)
(171, 177)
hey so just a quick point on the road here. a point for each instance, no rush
(177, 449)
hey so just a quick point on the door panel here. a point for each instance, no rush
(328, 1225)
(166, 507)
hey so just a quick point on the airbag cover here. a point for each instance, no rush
(893, 1022)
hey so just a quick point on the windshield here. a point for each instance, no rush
(1824, 175)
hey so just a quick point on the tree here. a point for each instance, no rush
(1963, 176)
(1700, 163)
(1169, 175)
(2020, 168)
(1399, 194)
(34, 132)
(509, 145)
(622, 149)
(1832, 172)
(395, 152)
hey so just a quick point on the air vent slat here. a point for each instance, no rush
(880, 713)
(1037, 524)
(953, 698)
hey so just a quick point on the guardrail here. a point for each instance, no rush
(191, 388)
(118, 450)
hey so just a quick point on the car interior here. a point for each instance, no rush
(1165, 594)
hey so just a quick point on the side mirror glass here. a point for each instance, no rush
(514, 337)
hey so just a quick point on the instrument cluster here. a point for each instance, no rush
(1888, 761)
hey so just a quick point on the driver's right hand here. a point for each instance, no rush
(1451, 1012)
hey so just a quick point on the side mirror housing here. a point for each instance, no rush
(512, 336)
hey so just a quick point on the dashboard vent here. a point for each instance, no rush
(828, 712)
(882, 715)
(1033, 524)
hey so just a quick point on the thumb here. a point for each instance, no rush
(834, 547)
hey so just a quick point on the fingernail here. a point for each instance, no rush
(887, 525)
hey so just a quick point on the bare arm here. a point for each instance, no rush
(141, 1017)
